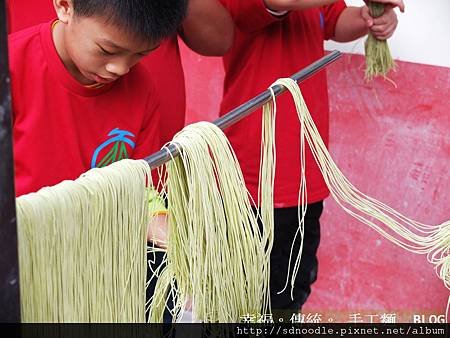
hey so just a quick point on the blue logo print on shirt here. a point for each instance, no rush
(117, 142)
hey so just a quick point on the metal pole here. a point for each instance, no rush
(247, 108)
(9, 262)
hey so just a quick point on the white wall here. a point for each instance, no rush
(422, 35)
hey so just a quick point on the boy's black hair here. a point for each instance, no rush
(150, 20)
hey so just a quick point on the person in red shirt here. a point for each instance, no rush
(80, 99)
(86, 112)
(275, 39)
(73, 119)
(207, 29)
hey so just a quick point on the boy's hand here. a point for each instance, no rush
(390, 4)
(158, 229)
(383, 26)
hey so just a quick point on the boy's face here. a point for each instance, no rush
(98, 51)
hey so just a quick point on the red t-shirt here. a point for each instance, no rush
(62, 128)
(164, 64)
(267, 48)
(25, 13)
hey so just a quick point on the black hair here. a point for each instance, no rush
(150, 20)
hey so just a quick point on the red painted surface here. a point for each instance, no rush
(394, 145)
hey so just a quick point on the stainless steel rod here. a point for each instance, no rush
(237, 114)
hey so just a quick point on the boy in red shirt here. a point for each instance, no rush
(207, 29)
(92, 105)
(79, 118)
(274, 39)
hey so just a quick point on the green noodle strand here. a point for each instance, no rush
(216, 251)
(82, 247)
(378, 56)
(265, 188)
(432, 240)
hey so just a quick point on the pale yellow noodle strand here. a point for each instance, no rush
(266, 185)
(82, 247)
(433, 240)
(216, 251)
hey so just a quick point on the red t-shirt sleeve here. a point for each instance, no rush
(331, 15)
(148, 140)
(249, 15)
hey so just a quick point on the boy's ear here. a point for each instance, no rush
(64, 9)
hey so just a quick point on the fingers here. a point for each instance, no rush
(383, 32)
(384, 26)
(365, 14)
(157, 231)
(393, 3)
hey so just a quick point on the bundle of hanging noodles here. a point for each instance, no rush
(82, 247)
(217, 255)
(378, 55)
(82, 243)
(432, 240)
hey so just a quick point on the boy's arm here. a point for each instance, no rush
(291, 5)
(355, 22)
(250, 15)
(208, 28)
